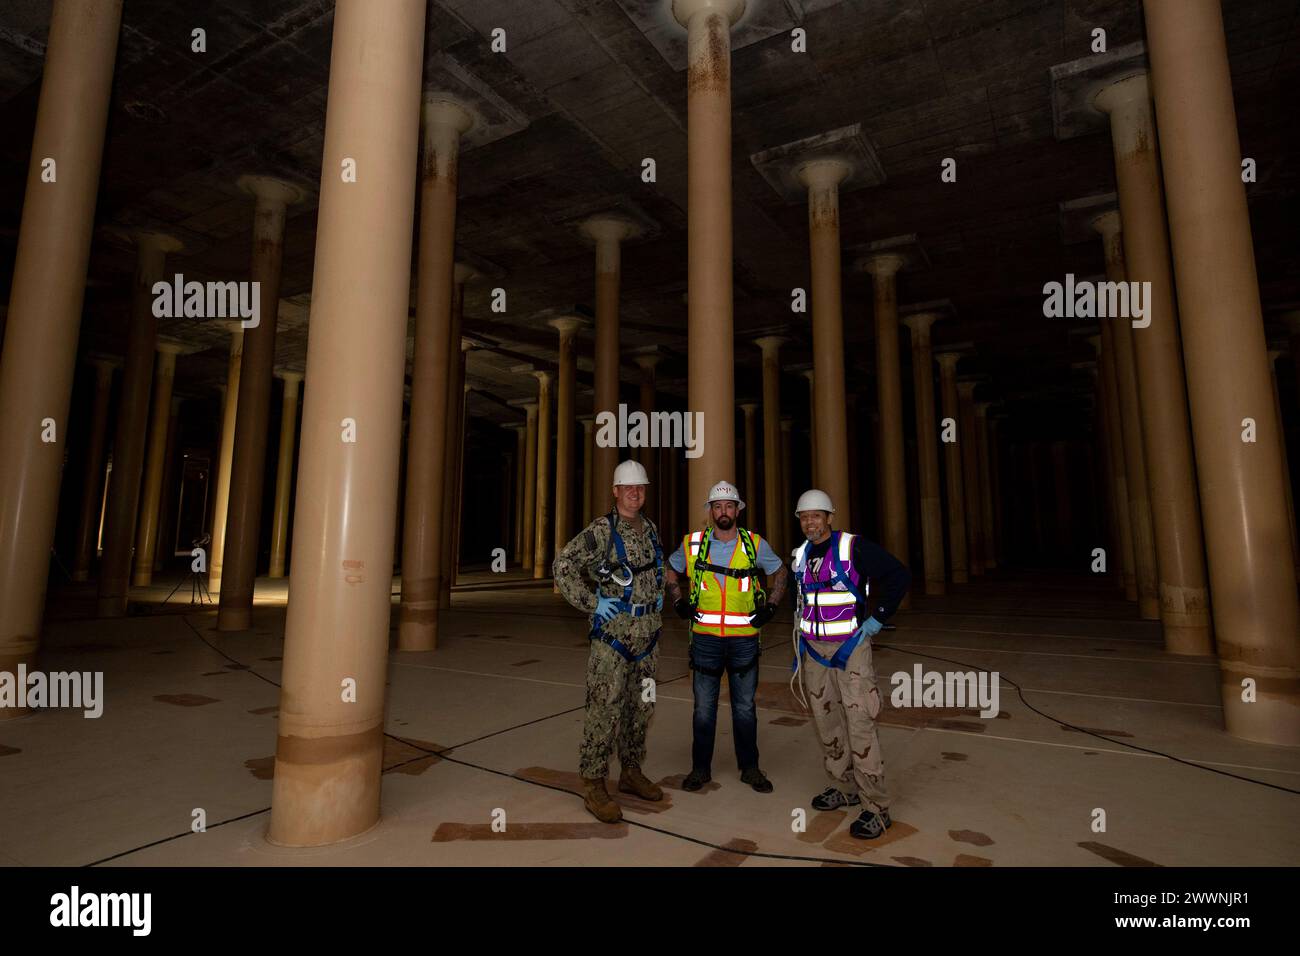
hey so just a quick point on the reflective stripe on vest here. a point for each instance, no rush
(722, 613)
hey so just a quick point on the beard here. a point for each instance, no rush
(724, 522)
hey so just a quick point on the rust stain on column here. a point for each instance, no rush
(541, 529)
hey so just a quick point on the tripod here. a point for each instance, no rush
(199, 593)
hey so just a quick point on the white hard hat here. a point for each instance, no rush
(814, 500)
(724, 491)
(630, 473)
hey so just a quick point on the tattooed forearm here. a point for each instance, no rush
(778, 583)
(673, 586)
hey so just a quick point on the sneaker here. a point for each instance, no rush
(695, 780)
(756, 779)
(870, 824)
(831, 798)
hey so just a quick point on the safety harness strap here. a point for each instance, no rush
(839, 660)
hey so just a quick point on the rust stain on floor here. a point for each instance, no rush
(953, 755)
(263, 768)
(789, 721)
(570, 781)
(9, 751)
(1115, 855)
(911, 861)
(973, 837)
(186, 700)
(273, 709)
(397, 752)
(821, 825)
(842, 842)
(674, 782)
(965, 859)
(1097, 730)
(531, 660)
(456, 832)
(735, 853)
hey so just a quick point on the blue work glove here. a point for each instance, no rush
(870, 627)
(659, 603)
(606, 608)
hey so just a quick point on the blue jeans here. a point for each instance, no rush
(738, 656)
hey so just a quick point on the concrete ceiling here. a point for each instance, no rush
(588, 89)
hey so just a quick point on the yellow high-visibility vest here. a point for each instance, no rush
(723, 612)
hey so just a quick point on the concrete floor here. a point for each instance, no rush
(505, 691)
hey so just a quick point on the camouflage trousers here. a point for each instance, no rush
(616, 712)
(845, 705)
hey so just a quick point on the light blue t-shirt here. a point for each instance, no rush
(720, 553)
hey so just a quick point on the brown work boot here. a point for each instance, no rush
(597, 801)
(632, 780)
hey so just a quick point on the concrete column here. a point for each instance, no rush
(649, 457)
(541, 566)
(608, 232)
(146, 538)
(1105, 345)
(711, 368)
(248, 460)
(166, 543)
(822, 178)
(1144, 552)
(453, 562)
(443, 122)
(889, 389)
(132, 424)
(1175, 510)
(225, 458)
(588, 446)
(329, 755)
(927, 451)
(88, 520)
(1273, 356)
(788, 500)
(812, 430)
(284, 471)
(530, 485)
(974, 507)
(517, 496)
(751, 460)
(670, 526)
(986, 483)
(44, 312)
(774, 504)
(564, 431)
(454, 442)
(851, 442)
(1243, 502)
(952, 462)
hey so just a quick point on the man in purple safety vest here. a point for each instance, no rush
(847, 588)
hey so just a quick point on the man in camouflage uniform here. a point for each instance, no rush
(626, 569)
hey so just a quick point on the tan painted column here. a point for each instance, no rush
(225, 457)
(588, 446)
(530, 485)
(541, 566)
(971, 476)
(1105, 345)
(257, 367)
(649, 457)
(1243, 502)
(442, 124)
(927, 451)
(773, 500)
(146, 538)
(166, 543)
(889, 389)
(453, 476)
(1273, 356)
(711, 369)
(329, 755)
(1144, 551)
(986, 483)
(44, 312)
(822, 178)
(812, 431)
(132, 425)
(1175, 509)
(952, 461)
(517, 495)
(608, 232)
(564, 430)
(751, 461)
(284, 471)
(88, 521)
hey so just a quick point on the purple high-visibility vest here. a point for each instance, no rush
(830, 610)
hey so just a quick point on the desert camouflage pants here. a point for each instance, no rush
(845, 705)
(616, 714)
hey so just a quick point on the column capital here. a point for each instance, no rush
(749, 408)
(288, 375)
(948, 360)
(444, 111)
(544, 377)
(648, 360)
(882, 265)
(920, 322)
(1123, 91)
(771, 343)
(1108, 224)
(566, 325)
(824, 173)
(172, 347)
(966, 388)
(268, 189)
(610, 228)
(685, 10)
(161, 241)
(101, 360)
